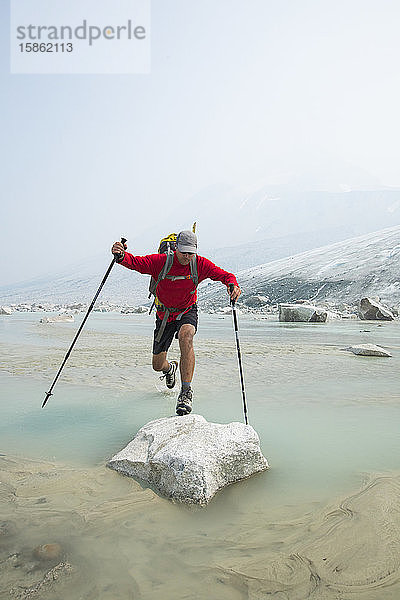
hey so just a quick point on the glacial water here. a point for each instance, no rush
(328, 425)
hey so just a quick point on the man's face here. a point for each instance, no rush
(185, 257)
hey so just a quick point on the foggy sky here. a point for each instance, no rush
(242, 93)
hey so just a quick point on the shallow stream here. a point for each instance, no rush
(323, 522)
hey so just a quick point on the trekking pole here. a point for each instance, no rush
(235, 322)
(49, 393)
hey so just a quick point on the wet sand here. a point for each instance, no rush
(119, 541)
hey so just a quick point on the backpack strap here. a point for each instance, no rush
(166, 268)
(194, 273)
(162, 275)
(194, 276)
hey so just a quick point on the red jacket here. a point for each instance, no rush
(176, 294)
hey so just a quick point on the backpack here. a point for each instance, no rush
(168, 246)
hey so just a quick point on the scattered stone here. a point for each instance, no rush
(45, 585)
(13, 561)
(224, 310)
(368, 350)
(48, 552)
(58, 319)
(5, 310)
(304, 313)
(188, 459)
(372, 310)
(134, 310)
(78, 306)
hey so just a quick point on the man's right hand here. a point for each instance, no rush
(118, 250)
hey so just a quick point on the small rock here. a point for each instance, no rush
(47, 552)
(224, 310)
(368, 350)
(5, 310)
(58, 319)
(134, 310)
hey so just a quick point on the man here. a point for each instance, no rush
(176, 306)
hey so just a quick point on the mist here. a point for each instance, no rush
(284, 96)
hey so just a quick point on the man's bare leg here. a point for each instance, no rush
(187, 363)
(185, 337)
(160, 362)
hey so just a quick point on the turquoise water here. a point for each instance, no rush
(327, 421)
(324, 416)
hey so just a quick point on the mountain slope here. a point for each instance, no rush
(79, 283)
(367, 265)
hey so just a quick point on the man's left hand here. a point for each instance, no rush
(235, 293)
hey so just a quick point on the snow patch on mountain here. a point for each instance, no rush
(367, 265)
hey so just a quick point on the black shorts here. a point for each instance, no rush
(172, 328)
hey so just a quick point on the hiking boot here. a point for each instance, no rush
(170, 376)
(184, 404)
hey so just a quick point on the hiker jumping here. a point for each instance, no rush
(176, 304)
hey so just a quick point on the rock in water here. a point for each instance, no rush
(48, 552)
(304, 313)
(188, 459)
(368, 350)
(371, 310)
(58, 319)
(5, 310)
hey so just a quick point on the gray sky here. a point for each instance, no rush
(239, 93)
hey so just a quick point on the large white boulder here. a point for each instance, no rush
(188, 459)
(372, 310)
(5, 310)
(368, 350)
(304, 313)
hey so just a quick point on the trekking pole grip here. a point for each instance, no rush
(121, 256)
(231, 286)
